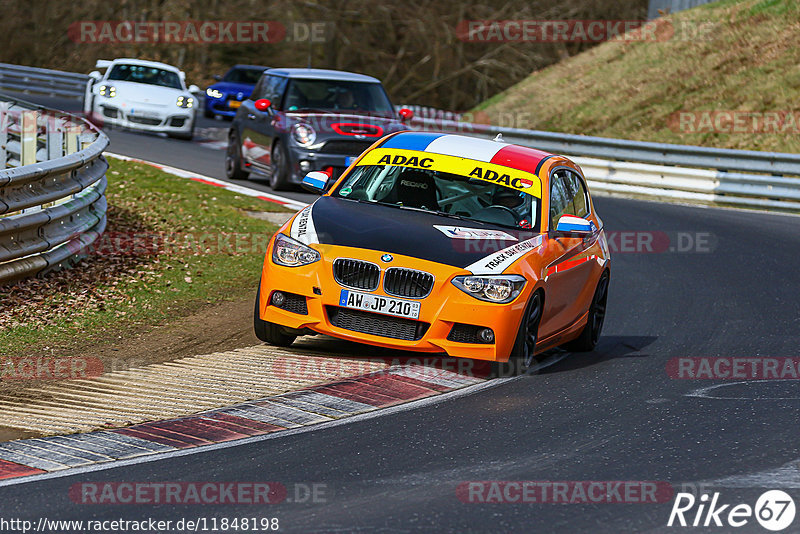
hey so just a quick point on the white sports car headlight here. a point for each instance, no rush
(108, 91)
(491, 288)
(185, 101)
(291, 253)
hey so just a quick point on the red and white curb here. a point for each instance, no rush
(208, 180)
(311, 406)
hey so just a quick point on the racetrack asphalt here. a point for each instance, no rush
(612, 415)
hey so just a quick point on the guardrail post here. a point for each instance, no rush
(27, 136)
(73, 134)
(55, 137)
(3, 134)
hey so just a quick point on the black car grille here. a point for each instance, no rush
(144, 120)
(466, 333)
(348, 148)
(376, 324)
(294, 303)
(356, 274)
(407, 283)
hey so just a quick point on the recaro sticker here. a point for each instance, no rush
(303, 227)
(458, 232)
(498, 262)
(525, 182)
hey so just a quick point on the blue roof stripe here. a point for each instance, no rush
(412, 140)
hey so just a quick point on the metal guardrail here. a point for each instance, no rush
(664, 171)
(42, 81)
(52, 189)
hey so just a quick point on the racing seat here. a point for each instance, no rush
(416, 189)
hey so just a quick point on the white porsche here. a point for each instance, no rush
(142, 95)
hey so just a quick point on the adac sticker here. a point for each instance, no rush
(480, 170)
(459, 232)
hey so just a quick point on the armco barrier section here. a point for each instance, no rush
(661, 171)
(52, 189)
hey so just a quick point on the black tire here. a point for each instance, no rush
(269, 332)
(233, 159)
(279, 180)
(590, 334)
(523, 354)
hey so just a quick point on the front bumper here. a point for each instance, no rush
(152, 119)
(219, 106)
(316, 161)
(443, 308)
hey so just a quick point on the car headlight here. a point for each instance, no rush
(108, 91)
(496, 288)
(185, 101)
(291, 253)
(213, 93)
(304, 134)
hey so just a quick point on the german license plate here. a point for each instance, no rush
(379, 304)
(233, 104)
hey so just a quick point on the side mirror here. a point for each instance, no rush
(405, 114)
(571, 226)
(217, 77)
(262, 104)
(315, 182)
(194, 89)
(95, 75)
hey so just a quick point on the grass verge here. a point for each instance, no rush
(171, 246)
(731, 55)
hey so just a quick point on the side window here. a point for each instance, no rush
(558, 197)
(578, 203)
(567, 196)
(273, 89)
(258, 90)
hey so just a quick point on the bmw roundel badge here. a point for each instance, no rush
(387, 258)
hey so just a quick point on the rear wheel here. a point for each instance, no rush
(523, 354)
(590, 334)
(233, 159)
(279, 181)
(269, 332)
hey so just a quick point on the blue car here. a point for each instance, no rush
(224, 97)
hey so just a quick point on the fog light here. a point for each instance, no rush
(305, 165)
(486, 335)
(278, 299)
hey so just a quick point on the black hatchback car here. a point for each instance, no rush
(302, 120)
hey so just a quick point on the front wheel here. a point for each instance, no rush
(523, 354)
(279, 180)
(269, 332)
(590, 334)
(233, 159)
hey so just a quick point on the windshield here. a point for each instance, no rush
(339, 96)
(146, 75)
(244, 75)
(455, 195)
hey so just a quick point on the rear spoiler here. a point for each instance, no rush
(103, 64)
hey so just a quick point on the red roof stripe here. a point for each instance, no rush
(519, 157)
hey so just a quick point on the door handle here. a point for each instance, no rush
(251, 116)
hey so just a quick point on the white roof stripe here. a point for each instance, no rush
(465, 147)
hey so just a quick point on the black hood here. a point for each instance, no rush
(407, 232)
